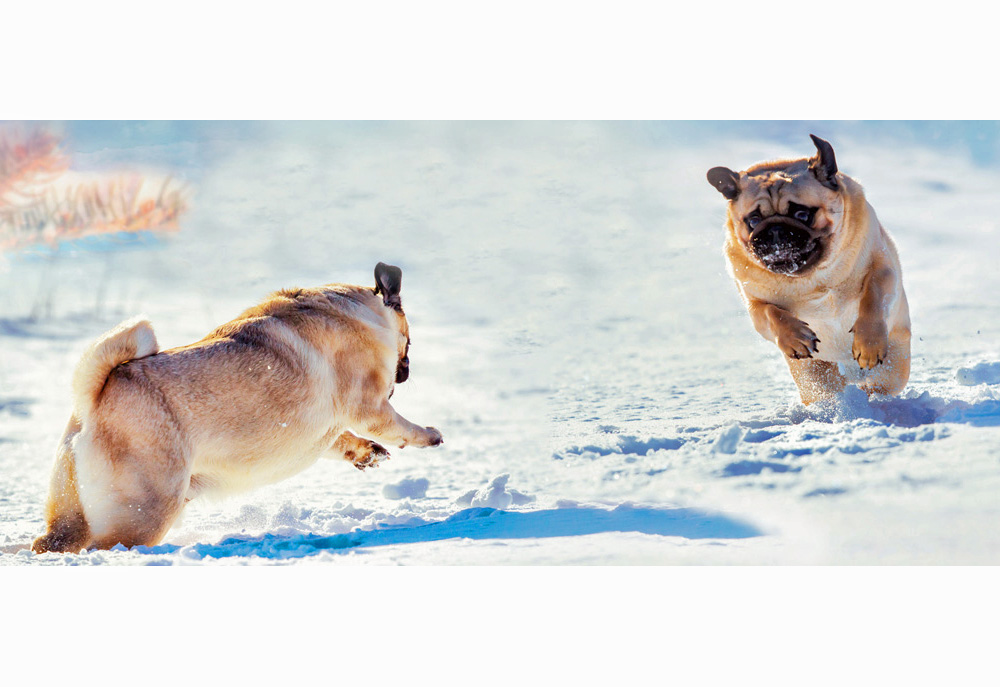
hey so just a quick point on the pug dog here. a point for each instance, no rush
(818, 273)
(306, 374)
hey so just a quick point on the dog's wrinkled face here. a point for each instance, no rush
(785, 214)
(388, 282)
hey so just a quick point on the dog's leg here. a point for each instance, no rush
(871, 331)
(136, 515)
(197, 486)
(389, 427)
(132, 491)
(891, 376)
(792, 335)
(67, 526)
(816, 379)
(361, 453)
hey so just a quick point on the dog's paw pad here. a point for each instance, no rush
(376, 454)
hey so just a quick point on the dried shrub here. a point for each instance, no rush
(40, 204)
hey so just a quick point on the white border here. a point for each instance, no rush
(515, 60)
(512, 60)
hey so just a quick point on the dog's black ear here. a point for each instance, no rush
(824, 164)
(726, 181)
(388, 281)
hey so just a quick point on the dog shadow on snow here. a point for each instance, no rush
(482, 524)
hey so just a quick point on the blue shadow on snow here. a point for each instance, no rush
(483, 523)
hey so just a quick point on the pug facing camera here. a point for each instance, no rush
(818, 273)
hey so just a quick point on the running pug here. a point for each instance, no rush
(818, 273)
(257, 400)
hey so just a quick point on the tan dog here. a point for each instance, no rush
(818, 273)
(257, 400)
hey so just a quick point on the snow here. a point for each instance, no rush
(495, 495)
(728, 440)
(409, 488)
(603, 396)
(980, 373)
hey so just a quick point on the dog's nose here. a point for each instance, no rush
(780, 234)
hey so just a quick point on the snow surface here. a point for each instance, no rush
(409, 488)
(603, 396)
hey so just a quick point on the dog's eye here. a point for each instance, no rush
(802, 216)
(753, 220)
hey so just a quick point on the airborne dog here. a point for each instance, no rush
(257, 400)
(818, 273)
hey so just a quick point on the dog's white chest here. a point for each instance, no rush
(831, 318)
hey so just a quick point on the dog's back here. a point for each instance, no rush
(257, 400)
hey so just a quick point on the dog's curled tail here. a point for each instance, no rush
(130, 340)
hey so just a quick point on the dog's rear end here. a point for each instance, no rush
(68, 528)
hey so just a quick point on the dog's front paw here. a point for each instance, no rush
(871, 343)
(796, 339)
(375, 454)
(432, 437)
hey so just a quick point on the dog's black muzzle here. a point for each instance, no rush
(785, 245)
(403, 369)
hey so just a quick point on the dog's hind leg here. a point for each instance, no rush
(891, 375)
(816, 379)
(361, 453)
(67, 525)
(137, 513)
(198, 485)
(132, 490)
